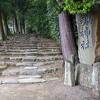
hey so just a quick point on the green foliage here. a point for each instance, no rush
(37, 21)
(52, 16)
(5, 6)
(79, 6)
(42, 18)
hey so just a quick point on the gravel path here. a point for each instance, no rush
(52, 90)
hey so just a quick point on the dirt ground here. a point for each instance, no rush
(52, 90)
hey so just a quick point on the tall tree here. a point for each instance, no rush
(5, 8)
(68, 45)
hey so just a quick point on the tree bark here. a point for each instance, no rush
(6, 24)
(23, 25)
(68, 47)
(16, 22)
(0, 28)
(20, 26)
(67, 41)
(3, 36)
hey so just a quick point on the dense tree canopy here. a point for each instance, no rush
(35, 16)
(79, 6)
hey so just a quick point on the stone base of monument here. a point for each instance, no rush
(96, 79)
(89, 77)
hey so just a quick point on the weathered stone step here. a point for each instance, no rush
(26, 62)
(30, 53)
(25, 59)
(18, 51)
(46, 64)
(15, 71)
(16, 63)
(30, 50)
(39, 47)
(35, 58)
(23, 43)
(17, 80)
(36, 40)
(31, 44)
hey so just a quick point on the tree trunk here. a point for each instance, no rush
(3, 36)
(24, 25)
(14, 31)
(6, 24)
(21, 26)
(0, 28)
(68, 48)
(16, 22)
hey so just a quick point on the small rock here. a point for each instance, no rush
(3, 67)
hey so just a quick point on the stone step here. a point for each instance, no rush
(36, 40)
(30, 39)
(38, 47)
(15, 71)
(14, 64)
(35, 58)
(31, 44)
(31, 81)
(30, 49)
(26, 59)
(30, 54)
(11, 64)
(25, 80)
(23, 43)
(17, 63)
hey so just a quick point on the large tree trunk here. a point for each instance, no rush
(16, 22)
(3, 36)
(0, 28)
(68, 48)
(6, 24)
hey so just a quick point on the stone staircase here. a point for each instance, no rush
(27, 59)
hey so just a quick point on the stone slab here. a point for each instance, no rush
(89, 77)
(96, 79)
(85, 75)
(9, 81)
(31, 80)
(29, 76)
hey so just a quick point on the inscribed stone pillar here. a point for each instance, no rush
(88, 37)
